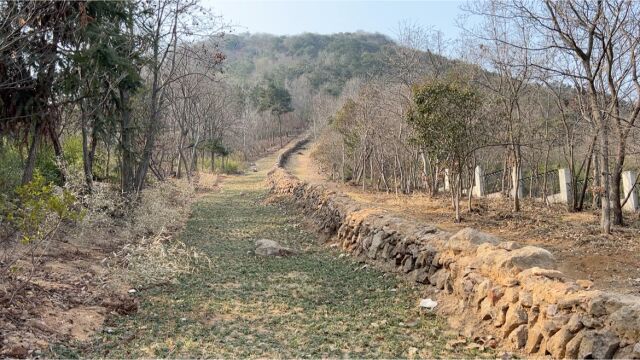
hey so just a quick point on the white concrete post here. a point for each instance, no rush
(566, 194)
(628, 180)
(446, 179)
(478, 186)
(516, 183)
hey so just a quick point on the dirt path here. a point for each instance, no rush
(315, 304)
(611, 262)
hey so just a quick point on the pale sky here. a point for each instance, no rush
(331, 16)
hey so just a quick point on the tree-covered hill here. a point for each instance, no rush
(327, 61)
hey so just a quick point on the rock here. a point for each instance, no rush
(627, 352)
(518, 337)
(573, 346)
(592, 323)
(421, 276)
(500, 316)
(626, 321)
(526, 299)
(516, 316)
(407, 264)
(376, 244)
(557, 343)
(598, 345)
(495, 294)
(468, 239)
(266, 247)
(440, 278)
(511, 295)
(575, 323)
(534, 338)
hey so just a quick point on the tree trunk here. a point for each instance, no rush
(30, 165)
(126, 134)
(59, 154)
(86, 161)
(605, 220)
(516, 183)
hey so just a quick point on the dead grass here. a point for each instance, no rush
(611, 262)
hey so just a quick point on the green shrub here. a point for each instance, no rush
(39, 209)
(11, 165)
(72, 150)
(47, 167)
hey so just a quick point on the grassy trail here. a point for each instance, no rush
(314, 304)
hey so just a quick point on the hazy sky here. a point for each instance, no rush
(294, 17)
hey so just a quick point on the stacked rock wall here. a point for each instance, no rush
(485, 284)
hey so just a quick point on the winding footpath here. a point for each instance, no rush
(318, 303)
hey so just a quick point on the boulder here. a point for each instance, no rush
(266, 247)
(598, 345)
(534, 338)
(376, 243)
(628, 352)
(468, 239)
(626, 321)
(440, 278)
(518, 337)
(575, 323)
(528, 257)
(573, 346)
(516, 316)
(558, 342)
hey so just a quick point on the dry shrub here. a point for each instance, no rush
(141, 232)
(157, 260)
(105, 221)
(206, 181)
(164, 206)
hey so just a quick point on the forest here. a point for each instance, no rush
(116, 116)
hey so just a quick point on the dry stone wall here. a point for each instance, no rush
(484, 284)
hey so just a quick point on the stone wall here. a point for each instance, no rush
(483, 284)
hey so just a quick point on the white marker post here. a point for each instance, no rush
(628, 181)
(478, 186)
